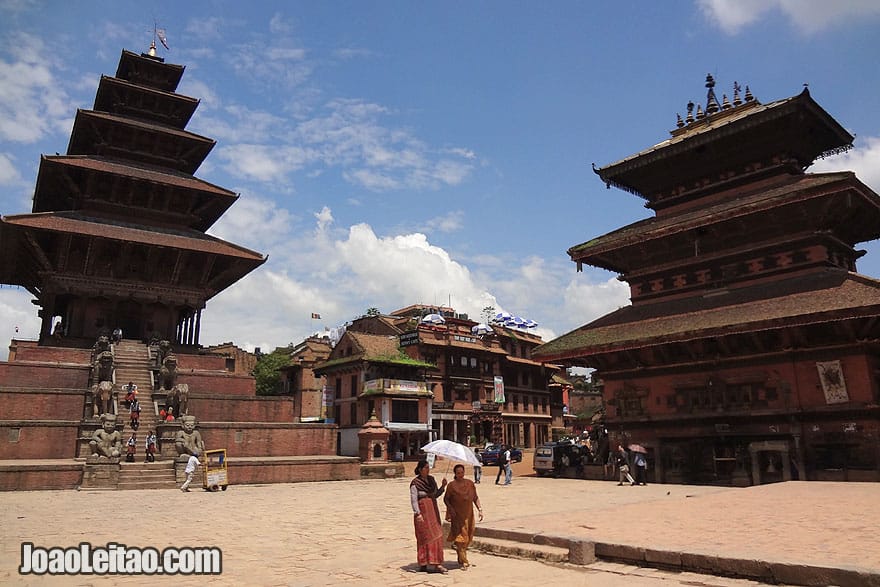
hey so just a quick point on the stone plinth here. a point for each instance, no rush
(100, 473)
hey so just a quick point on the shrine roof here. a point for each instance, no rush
(738, 205)
(531, 362)
(177, 111)
(150, 71)
(179, 238)
(797, 126)
(374, 348)
(162, 176)
(806, 299)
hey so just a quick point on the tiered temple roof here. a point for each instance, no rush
(116, 237)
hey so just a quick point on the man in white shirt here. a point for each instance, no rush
(190, 470)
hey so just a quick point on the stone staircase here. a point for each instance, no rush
(140, 475)
(132, 360)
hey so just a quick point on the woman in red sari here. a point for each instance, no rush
(423, 494)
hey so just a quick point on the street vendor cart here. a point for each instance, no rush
(215, 470)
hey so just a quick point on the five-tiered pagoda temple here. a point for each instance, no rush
(751, 350)
(117, 235)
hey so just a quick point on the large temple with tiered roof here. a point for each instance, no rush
(116, 242)
(116, 238)
(751, 350)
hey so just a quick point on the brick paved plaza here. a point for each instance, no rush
(360, 532)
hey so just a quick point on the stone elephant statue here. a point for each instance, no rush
(102, 393)
(178, 399)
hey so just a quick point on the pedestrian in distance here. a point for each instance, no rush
(131, 446)
(502, 464)
(423, 494)
(190, 470)
(135, 415)
(478, 469)
(508, 466)
(150, 447)
(623, 466)
(641, 468)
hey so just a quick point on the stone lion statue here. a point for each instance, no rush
(104, 366)
(106, 441)
(188, 441)
(101, 394)
(168, 372)
(163, 351)
(102, 344)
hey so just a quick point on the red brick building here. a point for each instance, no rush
(299, 380)
(483, 387)
(751, 350)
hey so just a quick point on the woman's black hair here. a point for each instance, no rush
(455, 468)
(421, 465)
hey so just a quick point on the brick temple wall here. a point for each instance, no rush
(217, 382)
(220, 408)
(41, 376)
(38, 439)
(257, 439)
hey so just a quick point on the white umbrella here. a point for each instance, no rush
(451, 450)
(434, 319)
(502, 317)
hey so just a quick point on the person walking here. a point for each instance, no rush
(641, 466)
(131, 446)
(135, 415)
(150, 447)
(461, 497)
(190, 470)
(478, 469)
(508, 466)
(623, 466)
(423, 494)
(502, 463)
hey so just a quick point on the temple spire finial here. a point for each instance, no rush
(152, 51)
(711, 101)
(736, 89)
(690, 115)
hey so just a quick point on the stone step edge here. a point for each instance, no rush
(579, 551)
(584, 552)
(122, 487)
(521, 550)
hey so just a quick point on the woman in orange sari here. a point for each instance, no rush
(423, 494)
(461, 497)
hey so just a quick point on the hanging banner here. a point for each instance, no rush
(833, 383)
(328, 395)
(499, 389)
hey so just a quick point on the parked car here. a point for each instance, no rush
(491, 454)
(556, 457)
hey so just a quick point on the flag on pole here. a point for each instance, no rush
(316, 316)
(162, 39)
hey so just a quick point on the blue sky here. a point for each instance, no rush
(391, 153)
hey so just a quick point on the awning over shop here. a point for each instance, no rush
(406, 426)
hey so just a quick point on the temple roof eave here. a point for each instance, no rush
(181, 239)
(51, 188)
(804, 186)
(844, 295)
